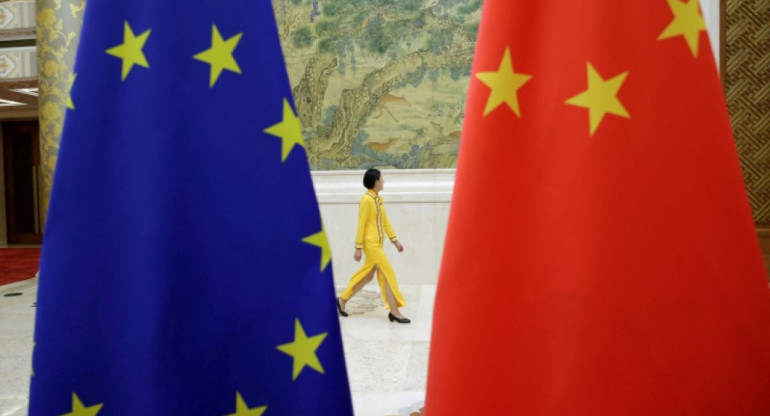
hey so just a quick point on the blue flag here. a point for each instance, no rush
(185, 269)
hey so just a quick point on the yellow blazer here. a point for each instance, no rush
(373, 222)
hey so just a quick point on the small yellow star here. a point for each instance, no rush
(288, 129)
(241, 409)
(70, 104)
(220, 55)
(303, 350)
(504, 84)
(319, 239)
(687, 22)
(79, 410)
(600, 98)
(130, 51)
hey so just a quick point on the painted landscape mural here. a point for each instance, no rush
(379, 83)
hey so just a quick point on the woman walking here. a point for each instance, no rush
(373, 225)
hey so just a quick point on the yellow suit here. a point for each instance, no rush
(373, 225)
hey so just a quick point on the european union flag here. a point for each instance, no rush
(185, 269)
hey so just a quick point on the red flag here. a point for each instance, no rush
(600, 257)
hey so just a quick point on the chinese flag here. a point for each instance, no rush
(601, 257)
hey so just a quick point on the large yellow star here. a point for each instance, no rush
(687, 22)
(288, 129)
(303, 350)
(130, 51)
(504, 84)
(600, 98)
(220, 55)
(79, 410)
(319, 239)
(241, 409)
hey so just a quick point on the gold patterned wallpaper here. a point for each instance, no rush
(58, 29)
(747, 88)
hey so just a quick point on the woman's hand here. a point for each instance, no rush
(357, 255)
(399, 247)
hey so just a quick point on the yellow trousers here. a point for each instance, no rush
(376, 258)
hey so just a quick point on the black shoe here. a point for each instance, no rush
(401, 321)
(339, 308)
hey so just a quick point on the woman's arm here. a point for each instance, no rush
(363, 217)
(388, 227)
(389, 230)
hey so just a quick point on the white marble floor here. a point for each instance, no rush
(387, 362)
(17, 321)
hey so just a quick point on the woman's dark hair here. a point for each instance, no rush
(370, 177)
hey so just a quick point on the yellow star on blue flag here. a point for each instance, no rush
(319, 239)
(303, 350)
(220, 55)
(242, 409)
(79, 409)
(130, 51)
(289, 130)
